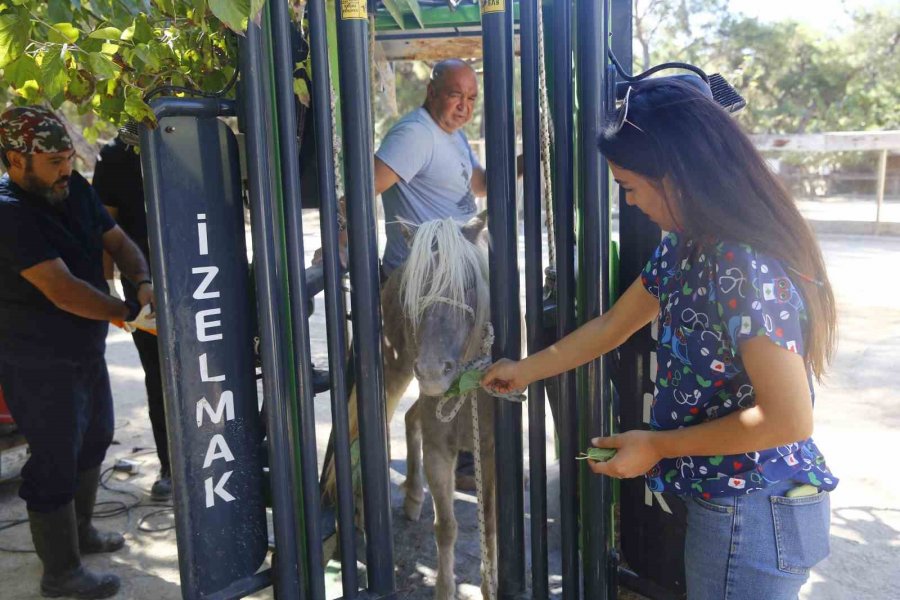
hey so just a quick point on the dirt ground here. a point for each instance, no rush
(857, 419)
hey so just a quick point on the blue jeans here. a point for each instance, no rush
(753, 547)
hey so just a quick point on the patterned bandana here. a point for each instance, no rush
(33, 129)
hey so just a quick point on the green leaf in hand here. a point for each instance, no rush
(597, 454)
(466, 382)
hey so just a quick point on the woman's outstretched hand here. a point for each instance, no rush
(506, 376)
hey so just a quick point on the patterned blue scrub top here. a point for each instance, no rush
(711, 298)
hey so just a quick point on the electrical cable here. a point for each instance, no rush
(108, 509)
(655, 69)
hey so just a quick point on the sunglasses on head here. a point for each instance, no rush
(622, 115)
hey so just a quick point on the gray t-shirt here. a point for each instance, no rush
(435, 169)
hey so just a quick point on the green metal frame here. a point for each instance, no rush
(402, 15)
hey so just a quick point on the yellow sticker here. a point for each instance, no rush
(353, 9)
(492, 6)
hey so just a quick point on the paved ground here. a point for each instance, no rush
(858, 414)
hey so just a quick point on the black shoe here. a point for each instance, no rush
(162, 487)
(91, 540)
(55, 536)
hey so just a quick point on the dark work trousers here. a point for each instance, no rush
(65, 412)
(148, 350)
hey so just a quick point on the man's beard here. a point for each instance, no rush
(55, 196)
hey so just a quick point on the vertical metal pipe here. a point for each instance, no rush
(646, 530)
(565, 272)
(353, 57)
(594, 273)
(278, 36)
(265, 193)
(334, 295)
(531, 144)
(497, 32)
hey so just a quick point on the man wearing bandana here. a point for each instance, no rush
(54, 315)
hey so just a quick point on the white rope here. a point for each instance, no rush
(546, 140)
(479, 492)
(336, 145)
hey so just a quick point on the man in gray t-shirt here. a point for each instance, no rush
(434, 169)
(425, 169)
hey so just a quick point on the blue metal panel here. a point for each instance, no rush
(193, 189)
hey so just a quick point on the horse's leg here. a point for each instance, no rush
(440, 464)
(488, 477)
(414, 485)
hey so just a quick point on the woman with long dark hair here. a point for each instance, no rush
(746, 320)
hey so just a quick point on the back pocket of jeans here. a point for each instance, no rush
(801, 531)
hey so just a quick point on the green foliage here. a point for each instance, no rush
(104, 55)
(795, 80)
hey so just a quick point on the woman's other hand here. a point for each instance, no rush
(636, 454)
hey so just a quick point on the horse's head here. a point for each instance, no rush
(445, 299)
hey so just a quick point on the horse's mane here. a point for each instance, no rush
(442, 263)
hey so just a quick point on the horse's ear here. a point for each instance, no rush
(409, 232)
(475, 226)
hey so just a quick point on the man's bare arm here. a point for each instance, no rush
(71, 294)
(108, 265)
(385, 179)
(126, 254)
(479, 182)
(479, 177)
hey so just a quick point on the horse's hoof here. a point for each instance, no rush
(412, 508)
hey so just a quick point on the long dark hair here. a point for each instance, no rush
(725, 191)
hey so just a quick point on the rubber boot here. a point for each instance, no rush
(90, 540)
(55, 536)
